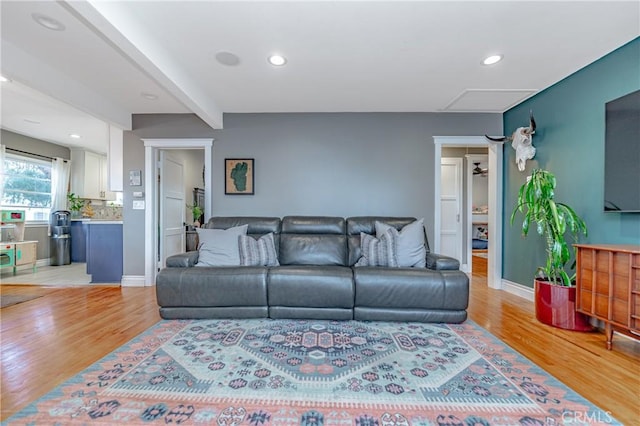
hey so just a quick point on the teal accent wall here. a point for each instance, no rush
(570, 143)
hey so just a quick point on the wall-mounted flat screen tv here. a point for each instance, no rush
(622, 154)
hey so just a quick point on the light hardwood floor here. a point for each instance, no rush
(50, 339)
(63, 275)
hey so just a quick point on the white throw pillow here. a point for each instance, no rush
(410, 249)
(219, 247)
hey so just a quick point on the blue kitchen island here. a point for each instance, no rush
(104, 250)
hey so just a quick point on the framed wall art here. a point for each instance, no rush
(135, 177)
(239, 176)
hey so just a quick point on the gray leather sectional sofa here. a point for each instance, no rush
(316, 278)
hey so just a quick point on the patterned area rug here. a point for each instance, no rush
(313, 373)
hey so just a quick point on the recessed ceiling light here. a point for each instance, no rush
(48, 22)
(3, 79)
(227, 58)
(149, 96)
(74, 136)
(277, 60)
(490, 60)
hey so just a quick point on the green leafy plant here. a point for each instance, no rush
(75, 202)
(196, 211)
(553, 220)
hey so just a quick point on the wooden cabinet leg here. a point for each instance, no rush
(609, 332)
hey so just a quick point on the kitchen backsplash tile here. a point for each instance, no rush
(103, 210)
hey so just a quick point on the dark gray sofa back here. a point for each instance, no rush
(258, 226)
(313, 240)
(367, 224)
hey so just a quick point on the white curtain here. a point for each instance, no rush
(60, 170)
(2, 157)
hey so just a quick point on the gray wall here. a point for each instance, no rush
(132, 220)
(39, 233)
(341, 164)
(34, 146)
(148, 126)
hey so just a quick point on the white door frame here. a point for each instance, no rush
(470, 159)
(151, 149)
(494, 262)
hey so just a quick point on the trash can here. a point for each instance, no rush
(60, 238)
(60, 249)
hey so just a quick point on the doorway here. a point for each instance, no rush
(477, 208)
(494, 214)
(152, 155)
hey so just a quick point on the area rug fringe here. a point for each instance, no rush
(463, 403)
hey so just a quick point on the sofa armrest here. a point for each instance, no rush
(440, 262)
(183, 260)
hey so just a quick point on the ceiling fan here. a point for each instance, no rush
(480, 171)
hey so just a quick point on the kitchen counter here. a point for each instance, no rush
(104, 250)
(78, 240)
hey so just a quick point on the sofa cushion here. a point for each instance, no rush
(410, 247)
(311, 286)
(260, 252)
(313, 225)
(411, 288)
(219, 247)
(379, 251)
(313, 240)
(212, 287)
(257, 225)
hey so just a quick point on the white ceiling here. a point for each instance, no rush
(357, 56)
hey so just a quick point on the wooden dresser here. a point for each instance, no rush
(608, 286)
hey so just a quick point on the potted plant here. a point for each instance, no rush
(196, 212)
(75, 204)
(555, 291)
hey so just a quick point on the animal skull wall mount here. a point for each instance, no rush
(521, 141)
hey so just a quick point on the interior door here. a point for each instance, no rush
(451, 208)
(172, 207)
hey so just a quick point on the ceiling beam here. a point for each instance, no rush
(126, 35)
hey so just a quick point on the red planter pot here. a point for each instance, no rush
(556, 306)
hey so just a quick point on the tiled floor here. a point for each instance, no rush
(73, 274)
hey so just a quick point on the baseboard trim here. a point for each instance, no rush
(132, 281)
(518, 290)
(43, 262)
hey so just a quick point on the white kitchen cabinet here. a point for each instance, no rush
(89, 175)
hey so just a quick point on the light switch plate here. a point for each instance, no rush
(138, 204)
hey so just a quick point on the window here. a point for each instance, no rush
(27, 186)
